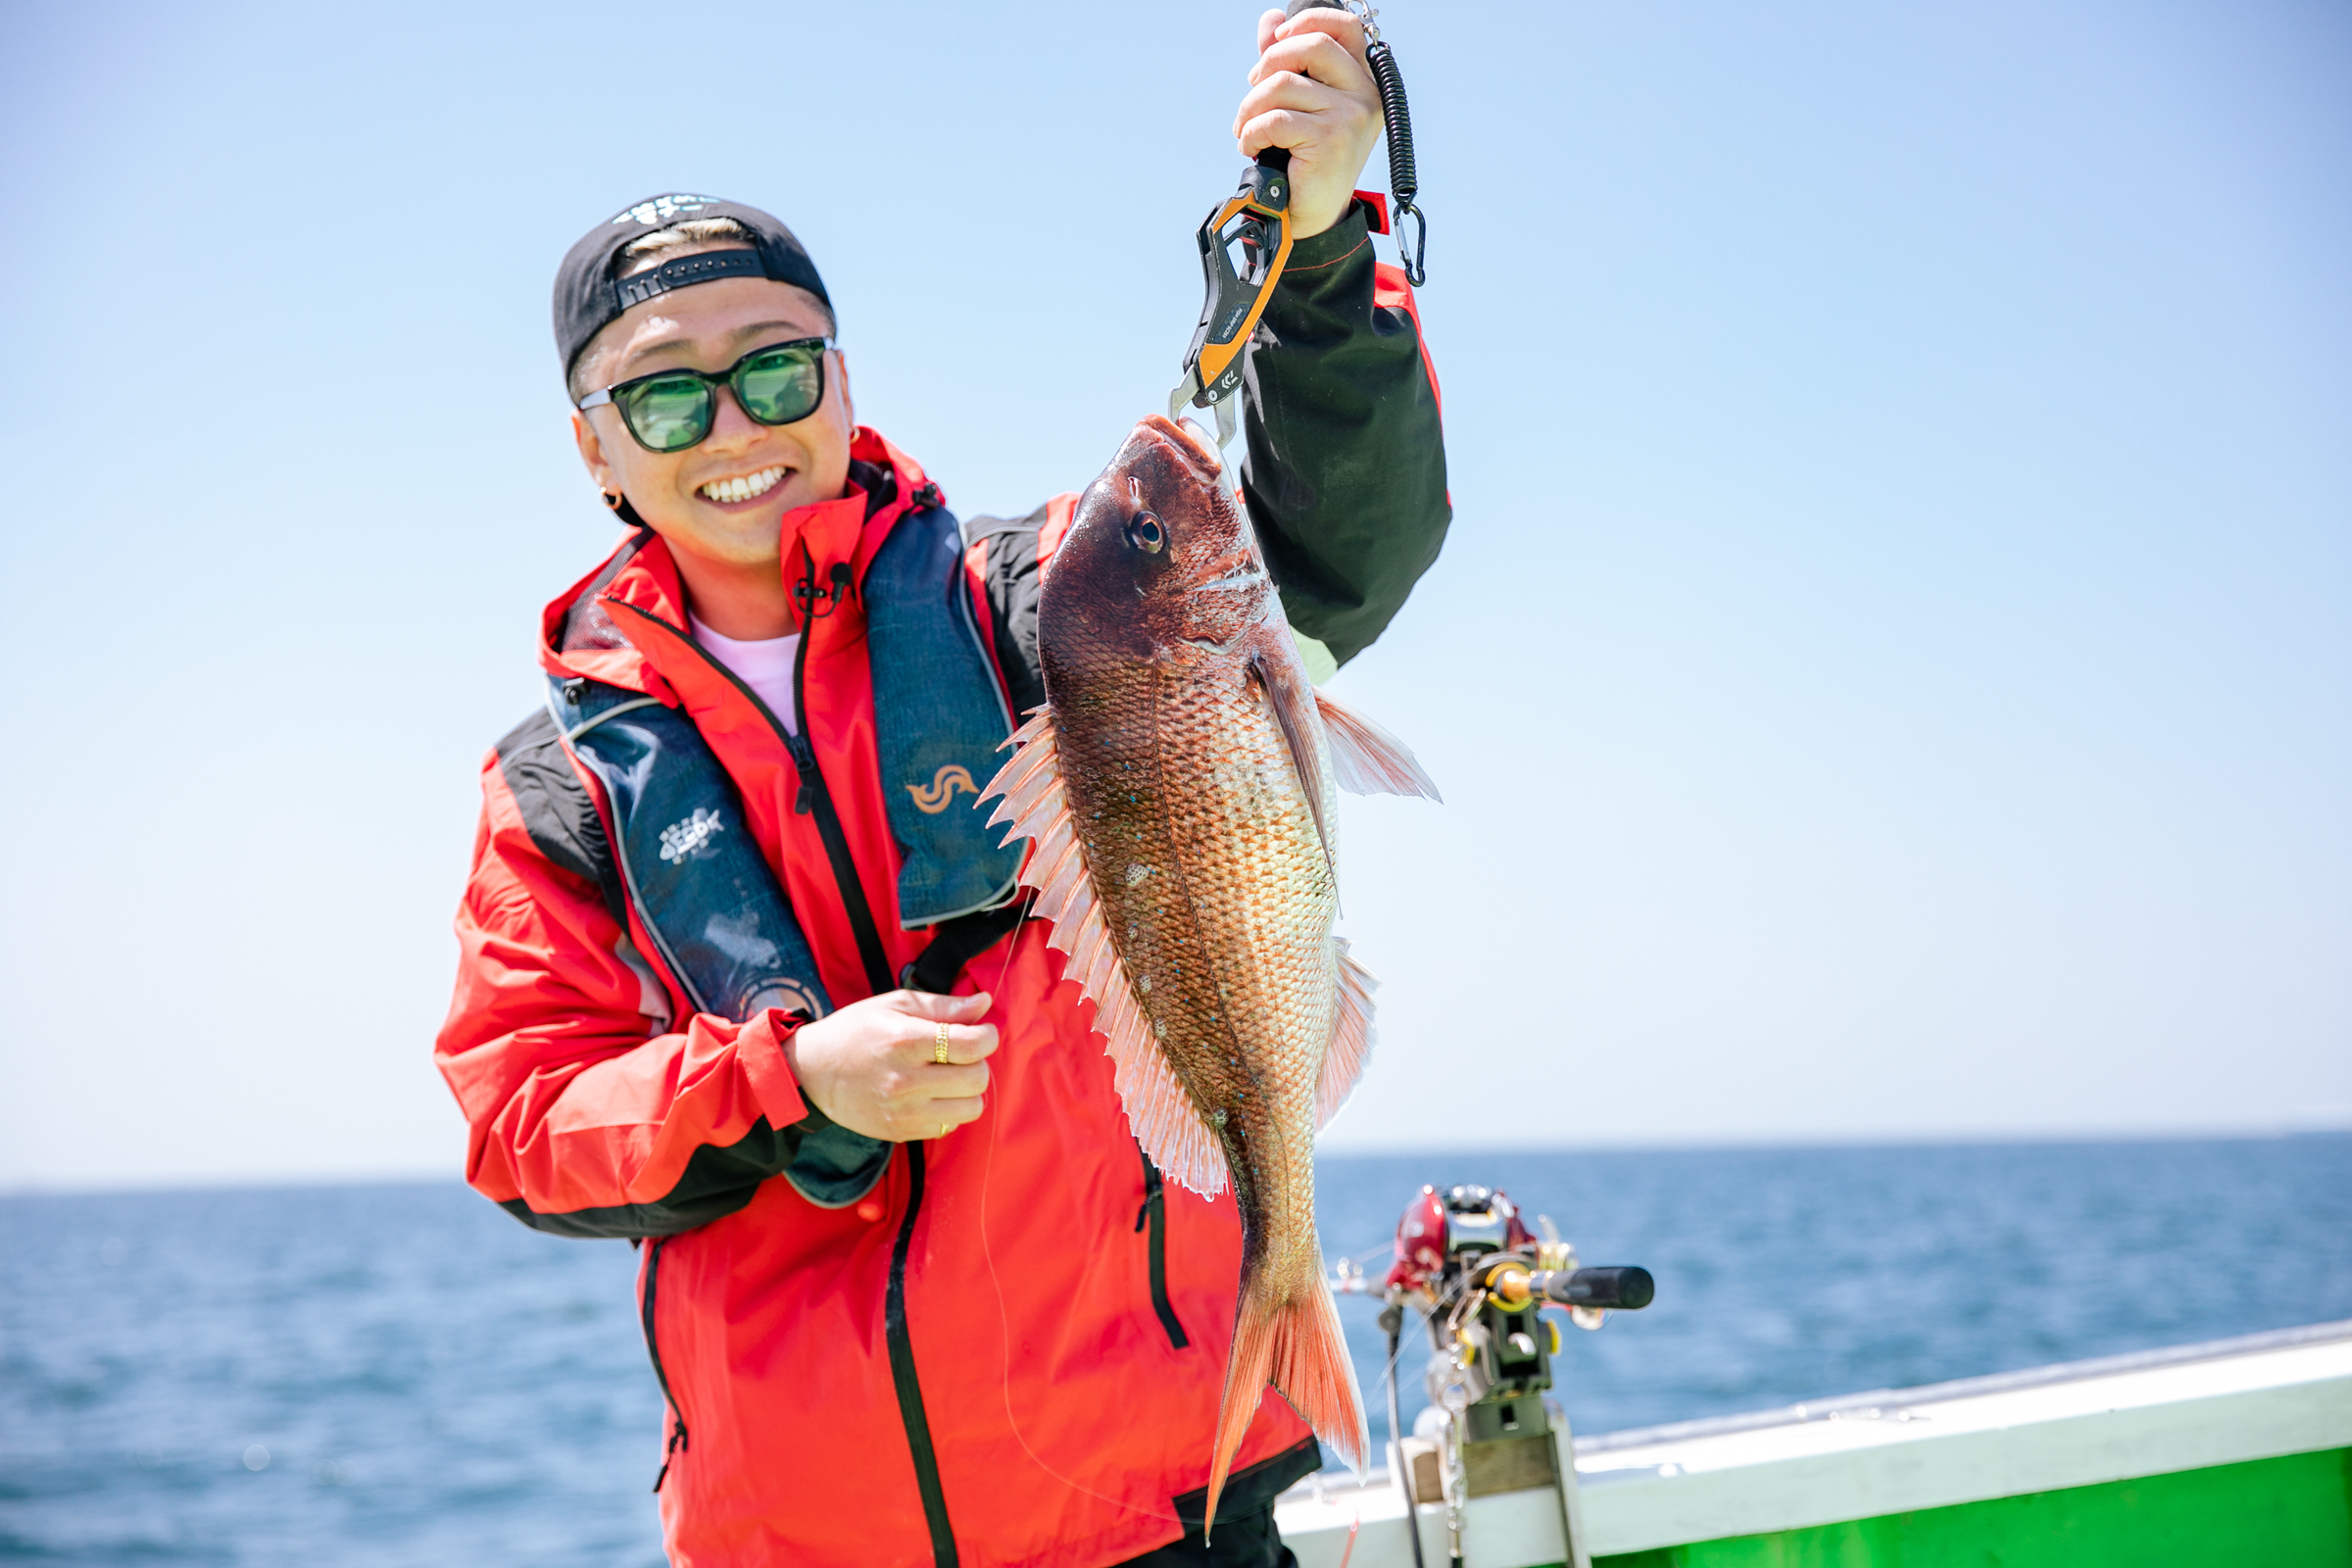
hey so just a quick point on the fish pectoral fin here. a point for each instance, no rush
(1293, 701)
(1367, 758)
(1351, 1038)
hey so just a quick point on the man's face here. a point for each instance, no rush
(709, 326)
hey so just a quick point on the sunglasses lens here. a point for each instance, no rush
(667, 412)
(782, 386)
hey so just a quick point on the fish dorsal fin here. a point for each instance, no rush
(1293, 701)
(1351, 1037)
(1367, 760)
(1159, 1111)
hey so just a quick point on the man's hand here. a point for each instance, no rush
(873, 1066)
(1312, 92)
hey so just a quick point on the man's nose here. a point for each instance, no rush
(728, 422)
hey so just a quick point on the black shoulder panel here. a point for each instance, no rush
(556, 809)
(716, 1183)
(1013, 591)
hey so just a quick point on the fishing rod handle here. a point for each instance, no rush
(1629, 1288)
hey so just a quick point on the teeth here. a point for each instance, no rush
(744, 488)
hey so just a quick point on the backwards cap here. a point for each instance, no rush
(588, 296)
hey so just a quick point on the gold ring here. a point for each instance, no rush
(942, 1129)
(938, 1045)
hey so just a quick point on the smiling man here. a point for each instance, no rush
(744, 978)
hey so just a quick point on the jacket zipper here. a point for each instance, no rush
(813, 799)
(816, 800)
(653, 1347)
(1154, 1213)
(903, 1376)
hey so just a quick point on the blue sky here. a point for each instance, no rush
(1891, 675)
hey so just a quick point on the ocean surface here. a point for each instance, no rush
(403, 1375)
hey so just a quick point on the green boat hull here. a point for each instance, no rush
(2291, 1510)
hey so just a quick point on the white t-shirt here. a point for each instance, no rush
(765, 666)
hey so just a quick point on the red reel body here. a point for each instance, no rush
(1438, 1230)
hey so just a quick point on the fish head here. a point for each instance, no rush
(1159, 556)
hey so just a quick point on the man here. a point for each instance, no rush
(742, 977)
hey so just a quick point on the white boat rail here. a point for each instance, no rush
(1892, 1451)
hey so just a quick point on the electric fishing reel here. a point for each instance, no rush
(1467, 1261)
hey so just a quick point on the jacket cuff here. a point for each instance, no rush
(1335, 243)
(761, 1049)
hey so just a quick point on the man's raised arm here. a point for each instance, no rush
(1345, 471)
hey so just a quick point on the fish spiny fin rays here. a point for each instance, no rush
(1367, 758)
(1158, 1110)
(1351, 1037)
(1293, 702)
(1287, 1332)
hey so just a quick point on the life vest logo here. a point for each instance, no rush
(933, 798)
(682, 839)
(661, 209)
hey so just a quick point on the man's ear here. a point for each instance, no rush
(848, 405)
(592, 452)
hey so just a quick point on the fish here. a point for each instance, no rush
(1178, 789)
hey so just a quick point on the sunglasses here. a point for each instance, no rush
(670, 411)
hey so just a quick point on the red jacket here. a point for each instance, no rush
(1063, 1419)
(1064, 1414)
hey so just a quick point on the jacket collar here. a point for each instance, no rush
(579, 637)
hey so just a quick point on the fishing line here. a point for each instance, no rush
(1389, 1373)
(1004, 1318)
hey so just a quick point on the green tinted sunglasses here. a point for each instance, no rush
(670, 411)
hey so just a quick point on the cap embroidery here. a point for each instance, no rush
(665, 208)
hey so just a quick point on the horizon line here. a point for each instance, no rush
(10, 1187)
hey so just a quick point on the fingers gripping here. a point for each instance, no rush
(1312, 92)
(940, 1076)
(876, 1066)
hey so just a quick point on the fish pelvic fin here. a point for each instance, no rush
(1159, 1111)
(1287, 1333)
(1367, 760)
(1351, 1038)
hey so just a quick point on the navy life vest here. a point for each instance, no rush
(682, 856)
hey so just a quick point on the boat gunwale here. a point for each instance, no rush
(1875, 1399)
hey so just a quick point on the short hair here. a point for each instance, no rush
(695, 233)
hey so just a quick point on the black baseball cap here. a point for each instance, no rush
(588, 296)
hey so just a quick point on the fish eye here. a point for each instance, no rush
(1146, 534)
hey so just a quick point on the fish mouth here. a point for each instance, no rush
(1184, 443)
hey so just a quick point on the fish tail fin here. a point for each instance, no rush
(1290, 1336)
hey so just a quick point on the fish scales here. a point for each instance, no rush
(1230, 953)
(1193, 766)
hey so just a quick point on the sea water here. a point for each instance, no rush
(403, 1375)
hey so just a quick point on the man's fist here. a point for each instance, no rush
(875, 1066)
(1312, 92)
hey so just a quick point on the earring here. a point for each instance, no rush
(619, 507)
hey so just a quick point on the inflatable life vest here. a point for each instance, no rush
(681, 857)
